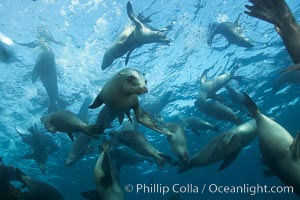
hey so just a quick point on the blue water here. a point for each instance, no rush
(87, 28)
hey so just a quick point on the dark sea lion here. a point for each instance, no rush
(285, 78)
(219, 111)
(225, 146)
(68, 122)
(231, 31)
(42, 146)
(278, 148)
(196, 124)
(138, 142)
(178, 143)
(279, 14)
(106, 179)
(131, 38)
(37, 190)
(121, 93)
(45, 68)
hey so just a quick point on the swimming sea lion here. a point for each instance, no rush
(106, 179)
(287, 77)
(45, 68)
(68, 122)
(196, 124)
(278, 148)
(178, 143)
(121, 93)
(138, 142)
(219, 111)
(6, 48)
(131, 38)
(279, 14)
(126, 156)
(208, 88)
(37, 190)
(231, 31)
(225, 146)
(42, 146)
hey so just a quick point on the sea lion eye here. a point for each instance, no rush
(130, 78)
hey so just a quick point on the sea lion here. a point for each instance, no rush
(279, 14)
(6, 48)
(138, 142)
(225, 146)
(68, 122)
(178, 143)
(37, 190)
(42, 146)
(219, 111)
(196, 124)
(106, 179)
(278, 148)
(208, 88)
(121, 93)
(285, 78)
(45, 68)
(231, 31)
(126, 156)
(131, 38)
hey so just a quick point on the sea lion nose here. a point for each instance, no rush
(145, 89)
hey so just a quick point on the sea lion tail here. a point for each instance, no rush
(250, 105)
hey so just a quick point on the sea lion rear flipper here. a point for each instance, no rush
(295, 148)
(94, 130)
(129, 52)
(211, 33)
(97, 102)
(250, 105)
(91, 195)
(228, 160)
(131, 15)
(71, 136)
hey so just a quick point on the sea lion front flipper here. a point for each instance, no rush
(129, 116)
(97, 102)
(295, 148)
(129, 52)
(143, 118)
(237, 21)
(291, 68)
(106, 167)
(91, 195)
(228, 160)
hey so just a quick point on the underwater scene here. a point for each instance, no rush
(152, 100)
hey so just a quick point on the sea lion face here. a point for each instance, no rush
(135, 82)
(46, 120)
(161, 38)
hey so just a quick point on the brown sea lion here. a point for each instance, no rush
(178, 143)
(138, 142)
(106, 179)
(225, 146)
(121, 93)
(68, 122)
(231, 31)
(37, 190)
(131, 38)
(279, 14)
(196, 124)
(278, 148)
